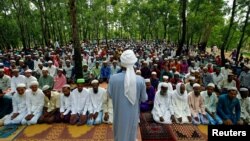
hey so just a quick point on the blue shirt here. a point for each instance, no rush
(105, 72)
(229, 109)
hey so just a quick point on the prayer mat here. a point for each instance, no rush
(8, 133)
(64, 132)
(152, 131)
(186, 132)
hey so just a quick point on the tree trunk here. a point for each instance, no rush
(184, 22)
(243, 33)
(223, 59)
(75, 38)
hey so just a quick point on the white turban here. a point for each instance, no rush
(128, 59)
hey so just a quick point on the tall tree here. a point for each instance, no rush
(184, 26)
(75, 38)
(228, 32)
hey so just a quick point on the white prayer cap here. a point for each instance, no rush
(45, 87)
(138, 71)
(248, 66)
(14, 70)
(12, 61)
(28, 70)
(176, 73)
(232, 88)
(94, 81)
(2, 70)
(105, 61)
(45, 69)
(192, 70)
(174, 67)
(157, 59)
(115, 61)
(227, 63)
(196, 85)
(50, 62)
(60, 69)
(165, 77)
(66, 86)
(67, 60)
(155, 65)
(147, 80)
(164, 84)
(243, 89)
(21, 61)
(191, 78)
(154, 73)
(165, 59)
(211, 85)
(128, 59)
(34, 83)
(192, 61)
(40, 63)
(21, 85)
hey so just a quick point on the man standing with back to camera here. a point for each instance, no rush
(127, 91)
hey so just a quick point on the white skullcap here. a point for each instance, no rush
(13, 61)
(227, 63)
(211, 85)
(128, 59)
(192, 70)
(177, 73)
(243, 89)
(21, 61)
(28, 70)
(147, 80)
(191, 78)
(157, 59)
(45, 87)
(21, 85)
(165, 77)
(60, 69)
(66, 86)
(232, 88)
(34, 83)
(153, 73)
(138, 71)
(164, 84)
(1, 70)
(50, 62)
(67, 60)
(196, 85)
(165, 59)
(15, 70)
(45, 69)
(94, 81)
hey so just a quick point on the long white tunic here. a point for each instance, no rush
(170, 87)
(245, 108)
(96, 100)
(217, 78)
(19, 103)
(28, 80)
(80, 101)
(65, 104)
(16, 80)
(162, 108)
(35, 101)
(52, 70)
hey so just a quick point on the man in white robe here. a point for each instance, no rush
(81, 101)
(163, 111)
(165, 79)
(15, 80)
(245, 105)
(51, 69)
(96, 95)
(127, 91)
(180, 105)
(29, 78)
(19, 106)
(35, 103)
(65, 104)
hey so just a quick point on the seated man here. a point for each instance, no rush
(181, 110)
(59, 80)
(162, 111)
(35, 103)
(196, 105)
(165, 79)
(6, 107)
(81, 101)
(19, 106)
(148, 105)
(211, 100)
(65, 104)
(228, 107)
(5, 81)
(105, 72)
(51, 106)
(245, 105)
(107, 109)
(96, 95)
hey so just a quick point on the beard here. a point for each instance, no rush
(95, 91)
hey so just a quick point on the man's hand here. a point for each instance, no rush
(189, 118)
(61, 115)
(161, 119)
(91, 116)
(95, 115)
(173, 119)
(73, 119)
(180, 120)
(106, 117)
(29, 117)
(14, 116)
(196, 118)
(228, 122)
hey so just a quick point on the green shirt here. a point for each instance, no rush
(46, 81)
(5, 82)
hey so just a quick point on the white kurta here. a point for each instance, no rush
(52, 70)
(217, 78)
(68, 71)
(17, 80)
(170, 87)
(19, 106)
(65, 104)
(162, 108)
(245, 108)
(96, 100)
(28, 80)
(80, 101)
